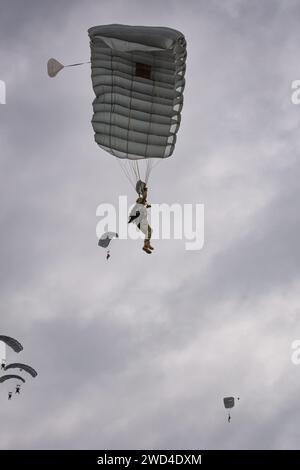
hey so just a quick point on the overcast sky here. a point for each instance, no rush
(138, 352)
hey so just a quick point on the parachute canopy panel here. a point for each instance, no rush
(16, 365)
(8, 377)
(228, 402)
(138, 79)
(11, 342)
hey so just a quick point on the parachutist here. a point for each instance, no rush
(18, 389)
(229, 418)
(3, 366)
(108, 255)
(138, 216)
(9, 395)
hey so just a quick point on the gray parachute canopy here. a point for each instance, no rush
(17, 365)
(228, 402)
(8, 377)
(138, 79)
(13, 343)
(106, 238)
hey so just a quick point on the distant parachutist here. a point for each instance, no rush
(229, 404)
(9, 395)
(3, 366)
(18, 388)
(105, 240)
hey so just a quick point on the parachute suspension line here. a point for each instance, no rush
(131, 167)
(149, 168)
(155, 164)
(136, 169)
(151, 164)
(125, 171)
(79, 63)
(132, 171)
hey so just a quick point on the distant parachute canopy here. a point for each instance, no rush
(138, 79)
(24, 367)
(106, 238)
(13, 343)
(228, 402)
(8, 377)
